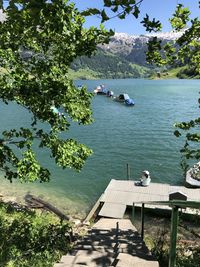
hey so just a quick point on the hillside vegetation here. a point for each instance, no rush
(106, 65)
(184, 72)
(125, 57)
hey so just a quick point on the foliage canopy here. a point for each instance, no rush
(39, 40)
(29, 239)
(52, 35)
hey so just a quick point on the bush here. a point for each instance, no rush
(31, 239)
(186, 256)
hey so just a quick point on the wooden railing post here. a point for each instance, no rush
(116, 247)
(174, 196)
(142, 221)
(128, 171)
(173, 238)
(133, 213)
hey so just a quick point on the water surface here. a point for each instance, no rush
(141, 136)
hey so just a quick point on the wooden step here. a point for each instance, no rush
(108, 224)
(59, 265)
(92, 258)
(70, 265)
(124, 260)
(67, 259)
(93, 248)
(111, 242)
(144, 264)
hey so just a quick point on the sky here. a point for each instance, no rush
(159, 9)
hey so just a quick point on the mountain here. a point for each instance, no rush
(133, 47)
(123, 57)
(106, 64)
(2, 15)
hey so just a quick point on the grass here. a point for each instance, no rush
(175, 73)
(83, 74)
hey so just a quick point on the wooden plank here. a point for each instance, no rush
(112, 210)
(124, 185)
(120, 197)
(93, 210)
(108, 224)
(154, 190)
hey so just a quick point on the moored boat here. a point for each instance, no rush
(192, 178)
(110, 93)
(100, 90)
(124, 98)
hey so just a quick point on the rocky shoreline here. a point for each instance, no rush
(79, 226)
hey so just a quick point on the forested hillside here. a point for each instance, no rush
(107, 65)
(124, 57)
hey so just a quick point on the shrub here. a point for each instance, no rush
(31, 239)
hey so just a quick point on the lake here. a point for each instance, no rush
(141, 136)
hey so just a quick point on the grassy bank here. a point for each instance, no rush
(176, 73)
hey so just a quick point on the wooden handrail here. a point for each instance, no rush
(175, 205)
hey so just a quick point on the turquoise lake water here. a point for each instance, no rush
(141, 136)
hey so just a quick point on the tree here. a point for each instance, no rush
(53, 35)
(186, 50)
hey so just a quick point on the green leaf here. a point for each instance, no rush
(91, 11)
(104, 15)
(180, 18)
(151, 25)
(107, 3)
(122, 16)
(114, 9)
(177, 133)
(136, 12)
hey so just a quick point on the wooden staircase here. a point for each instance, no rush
(110, 242)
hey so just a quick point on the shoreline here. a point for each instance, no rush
(17, 193)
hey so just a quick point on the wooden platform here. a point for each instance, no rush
(121, 193)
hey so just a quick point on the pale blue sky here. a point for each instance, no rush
(160, 9)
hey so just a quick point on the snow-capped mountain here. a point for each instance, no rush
(133, 47)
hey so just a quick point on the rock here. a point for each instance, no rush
(187, 253)
(8, 199)
(87, 223)
(76, 222)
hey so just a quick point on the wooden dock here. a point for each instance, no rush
(120, 194)
(114, 241)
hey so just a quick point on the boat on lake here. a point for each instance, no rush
(192, 178)
(110, 93)
(100, 90)
(125, 98)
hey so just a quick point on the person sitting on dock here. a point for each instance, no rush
(145, 179)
